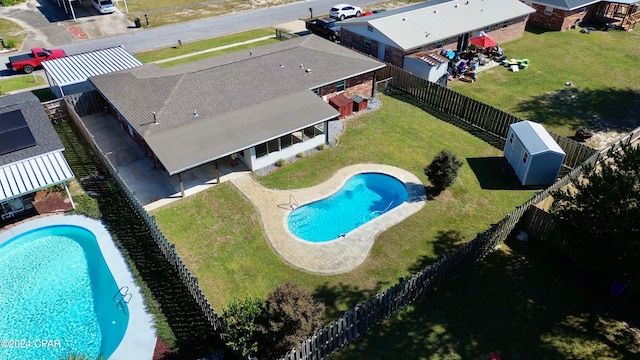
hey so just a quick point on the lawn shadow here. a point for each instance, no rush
(598, 110)
(494, 173)
(335, 296)
(444, 243)
(485, 136)
(518, 300)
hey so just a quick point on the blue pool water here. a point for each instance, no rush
(362, 198)
(57, 296)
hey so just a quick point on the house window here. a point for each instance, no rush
(440, 44)
(261, 150)
(369, 28)
(273, 146)
(548, 10)
(367, 42)
(511, 138)
(525, 157)
(421, 48)
(340, 86)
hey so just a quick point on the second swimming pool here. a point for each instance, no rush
(362, 198)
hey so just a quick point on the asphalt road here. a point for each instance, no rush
(50, 26)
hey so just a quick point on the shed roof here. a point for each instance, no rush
(36, 167)
(535, 138)
(241, 99)
(431, 21)
(77, 68)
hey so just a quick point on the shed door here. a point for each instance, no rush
(523, 165)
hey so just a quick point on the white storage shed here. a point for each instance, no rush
(533, 154)
(427, 65)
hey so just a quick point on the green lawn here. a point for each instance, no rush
(196, 46)
(600, 65)
(11, 32)
(219, 236)
(20, 82)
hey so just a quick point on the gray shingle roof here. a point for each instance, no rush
(47, 139)
(231, 92)
(407, 27)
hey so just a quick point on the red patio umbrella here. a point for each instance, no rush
(483, 40)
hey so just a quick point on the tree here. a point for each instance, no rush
(443, 170)
(597, 219)
(291, 315)
(240, 321)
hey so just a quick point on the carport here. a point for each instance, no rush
(70, 74)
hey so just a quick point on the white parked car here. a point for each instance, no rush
(103, 6)
(343, 11)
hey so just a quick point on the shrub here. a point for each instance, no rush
(290, 316)
(240, 323)
(281, 162)
(322, 146)
(443, 170)
(300, 155)
(10, 43)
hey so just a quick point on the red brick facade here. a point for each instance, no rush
(358, 85)
(561, 20)
(503, 32)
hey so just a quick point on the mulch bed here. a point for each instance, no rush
(162, 351)
(51, 202)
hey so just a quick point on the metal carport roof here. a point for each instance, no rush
(78, 68)
(30, 175)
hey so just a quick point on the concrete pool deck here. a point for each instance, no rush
(336, 256)
(140, 336)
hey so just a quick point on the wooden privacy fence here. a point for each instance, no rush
(191, 282)
(473, 112)
(356, 322)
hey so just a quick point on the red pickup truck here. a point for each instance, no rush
(28, 62)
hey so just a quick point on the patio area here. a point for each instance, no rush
(151, 186)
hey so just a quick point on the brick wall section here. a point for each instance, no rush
(560, 20)
(513, 30)
(361, 84)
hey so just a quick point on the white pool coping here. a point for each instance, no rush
(139, 340)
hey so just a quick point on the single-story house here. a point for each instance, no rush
(30, 154)
(533, 154)
(70, 74)
(564, 14)
(433, 25)
(261, 105)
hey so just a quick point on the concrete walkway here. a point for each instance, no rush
(336, 256)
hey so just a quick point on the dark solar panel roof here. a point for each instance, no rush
(14, 132)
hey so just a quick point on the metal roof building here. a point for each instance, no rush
(414, 26)
(70, 74)
(30, 152)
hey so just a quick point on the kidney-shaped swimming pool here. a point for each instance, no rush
(362, 198)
